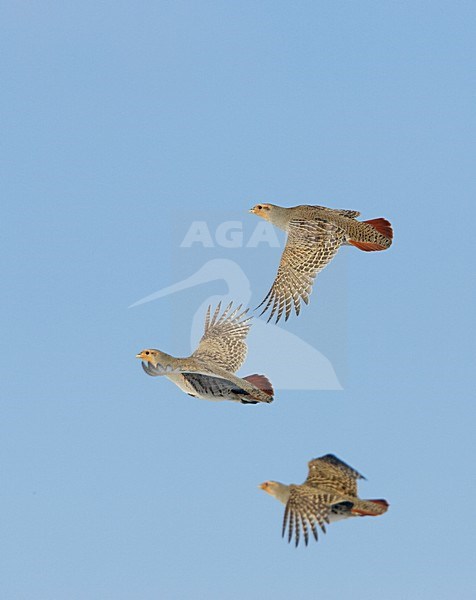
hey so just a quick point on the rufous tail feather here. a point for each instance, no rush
(261, 382)
(382, 226)
(367, 510)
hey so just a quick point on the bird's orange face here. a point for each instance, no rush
(261, 210)
(267, 487)
(148, 356)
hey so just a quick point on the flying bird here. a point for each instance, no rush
(315, 233)
(329, 494)
(209, 373)
(315, 369)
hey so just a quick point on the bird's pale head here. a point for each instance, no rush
(276, 489)
(267, 486)
(263, 210)
(153, 356)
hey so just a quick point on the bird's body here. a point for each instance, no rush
(329, 494)
(315, 234)
(209, 373)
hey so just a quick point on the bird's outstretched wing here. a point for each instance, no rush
(223, 341)
(310, 246)
(305, 509)
(331, 473)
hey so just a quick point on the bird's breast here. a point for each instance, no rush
(181, 382)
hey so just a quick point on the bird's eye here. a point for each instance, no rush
(147, 352)
(259, 207)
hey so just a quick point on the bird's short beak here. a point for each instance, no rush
(262, 486)
(252, 210)
(139, 355)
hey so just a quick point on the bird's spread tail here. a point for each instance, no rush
(383, 227)
(370, 508)
(261, 382)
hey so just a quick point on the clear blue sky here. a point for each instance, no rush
(123, 121)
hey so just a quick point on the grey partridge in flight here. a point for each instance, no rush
(329, 494)
(315, 233)
(209, 373)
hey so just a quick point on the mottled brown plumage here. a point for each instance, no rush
(329, 494)
(315, 234)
